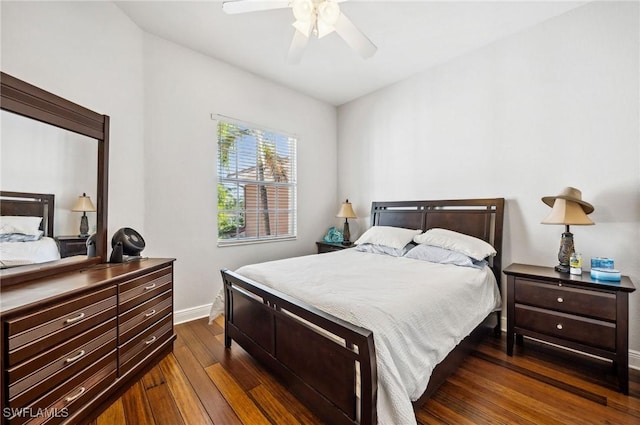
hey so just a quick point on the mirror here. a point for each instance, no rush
(53, 146)
(41, 158)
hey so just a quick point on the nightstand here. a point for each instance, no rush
(330, 247)
(71, 245)
(572, 311)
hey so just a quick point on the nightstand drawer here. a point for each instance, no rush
(583, 330)
(599, 305)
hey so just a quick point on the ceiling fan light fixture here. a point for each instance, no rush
(328, 12)
(303, 10)
(303, 27)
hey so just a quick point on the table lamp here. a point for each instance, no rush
(567, 208)
(346, 212)
(83, 204)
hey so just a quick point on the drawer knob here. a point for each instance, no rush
(73, 397)
(75, 319)
(148, 288)
(559, 326)
(560, 300)
(76, 357)
(150, 340)
(151, 313)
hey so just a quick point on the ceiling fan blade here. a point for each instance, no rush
(244, 6)
(354, 37)
(296, 49)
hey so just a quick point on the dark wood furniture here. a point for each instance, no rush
(71, 245)
(572, 311)
(29, 205)
(321, 372)
(72, 341)
(330, 247)
(22, 98)
(77, 332)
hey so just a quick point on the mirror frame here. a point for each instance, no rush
(24, 99)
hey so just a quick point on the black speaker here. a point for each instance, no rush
(127, 245)
(91, 246)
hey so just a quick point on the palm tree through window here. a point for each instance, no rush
(256, 184)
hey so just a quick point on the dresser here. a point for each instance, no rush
(73, 342)
(572, 311)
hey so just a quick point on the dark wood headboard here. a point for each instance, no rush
(481, 218)
(31, 205)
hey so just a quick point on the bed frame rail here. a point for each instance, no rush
(317, 355)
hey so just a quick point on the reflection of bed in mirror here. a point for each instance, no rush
(20, 246)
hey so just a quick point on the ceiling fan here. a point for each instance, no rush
(312, 17)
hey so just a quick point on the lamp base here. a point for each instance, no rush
(346, 235)
(561, 268)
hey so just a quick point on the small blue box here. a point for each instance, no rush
(609, 275)
(601, 263)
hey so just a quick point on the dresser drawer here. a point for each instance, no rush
(596, 304)
(591, 332)
(32, 334)
(70, 396)
(142, 316)
(46, 371)
(138, 290)
(144, 343)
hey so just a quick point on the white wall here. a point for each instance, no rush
(556, 105)
(162, 171)
(91, 54)
(182, 89)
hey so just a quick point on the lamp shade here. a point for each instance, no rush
(568, 213)
(83, 204)
(346, 211)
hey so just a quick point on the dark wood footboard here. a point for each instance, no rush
(317, 355)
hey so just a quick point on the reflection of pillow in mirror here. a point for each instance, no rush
(17, 224)
(19, 237)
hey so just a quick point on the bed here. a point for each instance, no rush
(17, 249)
(348, 370)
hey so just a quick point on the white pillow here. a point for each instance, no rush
(435, 254)
(395, 237)
(17, 224)
(468, 245)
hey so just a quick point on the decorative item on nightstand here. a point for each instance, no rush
(567, 208)
(84, 205)
(346, 212)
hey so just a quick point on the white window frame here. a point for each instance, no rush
(231, 175)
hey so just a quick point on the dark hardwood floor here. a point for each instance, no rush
(202, 383)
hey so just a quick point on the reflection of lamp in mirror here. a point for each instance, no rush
(346, 212)
(567, 208)
(84, 205)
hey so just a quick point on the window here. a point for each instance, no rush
(256, 184)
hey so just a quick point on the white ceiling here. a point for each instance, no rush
(411, 36)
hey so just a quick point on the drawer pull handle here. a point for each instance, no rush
(76, 357)
(150, 340)
(73, 397)
(151, 313)
(560, 300)
(75, 319)
(559, 326)
(147, 288)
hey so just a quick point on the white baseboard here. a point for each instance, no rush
(634, 356)
(189, 314)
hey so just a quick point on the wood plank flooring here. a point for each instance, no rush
(202, 383)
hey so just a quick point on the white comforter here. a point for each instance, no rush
(21, 253)
(418, 311)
